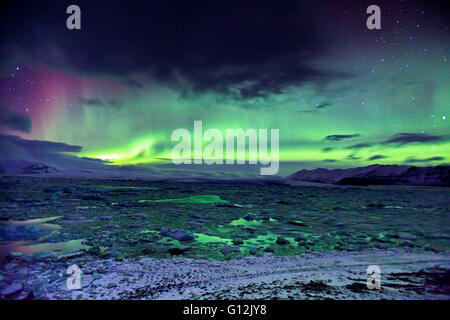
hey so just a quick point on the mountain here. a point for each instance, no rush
(375, 175)
(38, 168)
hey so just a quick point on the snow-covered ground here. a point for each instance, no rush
(343, 275)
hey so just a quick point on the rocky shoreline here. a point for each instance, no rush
(339, 275)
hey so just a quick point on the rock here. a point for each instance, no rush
(282, 241)
(111, 285)
(95, 250)
(249, 217)
(238, 242)
(68, 190)
(300, 239)
(177, 251)
(45, 255)
(165, 231)
(408, 243)
(148, 251)
(135, 225)
(11, 290)
(252, 251)
(227, 205)
(104, 218)
(407, 236)
(25, 296)
(92, 197)
(10, 266)
(420, 233)
(269, 249)
(70, 255)
(297, 223)
(357, 287)
(147, 261)
(230, 249)
(16, 254)
(376, 205)
(181, 236)
(22, 272)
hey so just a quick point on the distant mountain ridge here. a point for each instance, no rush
(438, 176)
(376, 175)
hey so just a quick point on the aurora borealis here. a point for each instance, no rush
(341, 95)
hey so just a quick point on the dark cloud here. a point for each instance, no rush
(339, 137)
(360, 146)
(352, 157)
(92, 102)
(10, 144)
(412, 160)
(328, 149)
(329, 160)
(400, 138)
(404, 138)
(14, 121)
(376, 157)
(242, 48)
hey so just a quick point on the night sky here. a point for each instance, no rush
(340, 94)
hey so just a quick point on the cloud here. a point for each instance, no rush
(327, 149)
(412, 160)
(352, 157)
(401, 138)
(404, 138)
(376, 157)
(241, 49)
(339, 137)
(95, 102)
(92, 102)
(20, 153)
(14, 121)
(360, 146)
(14, 146)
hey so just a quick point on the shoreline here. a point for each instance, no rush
(336, 275)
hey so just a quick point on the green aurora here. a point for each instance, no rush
(364, 117)
(366, 96)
